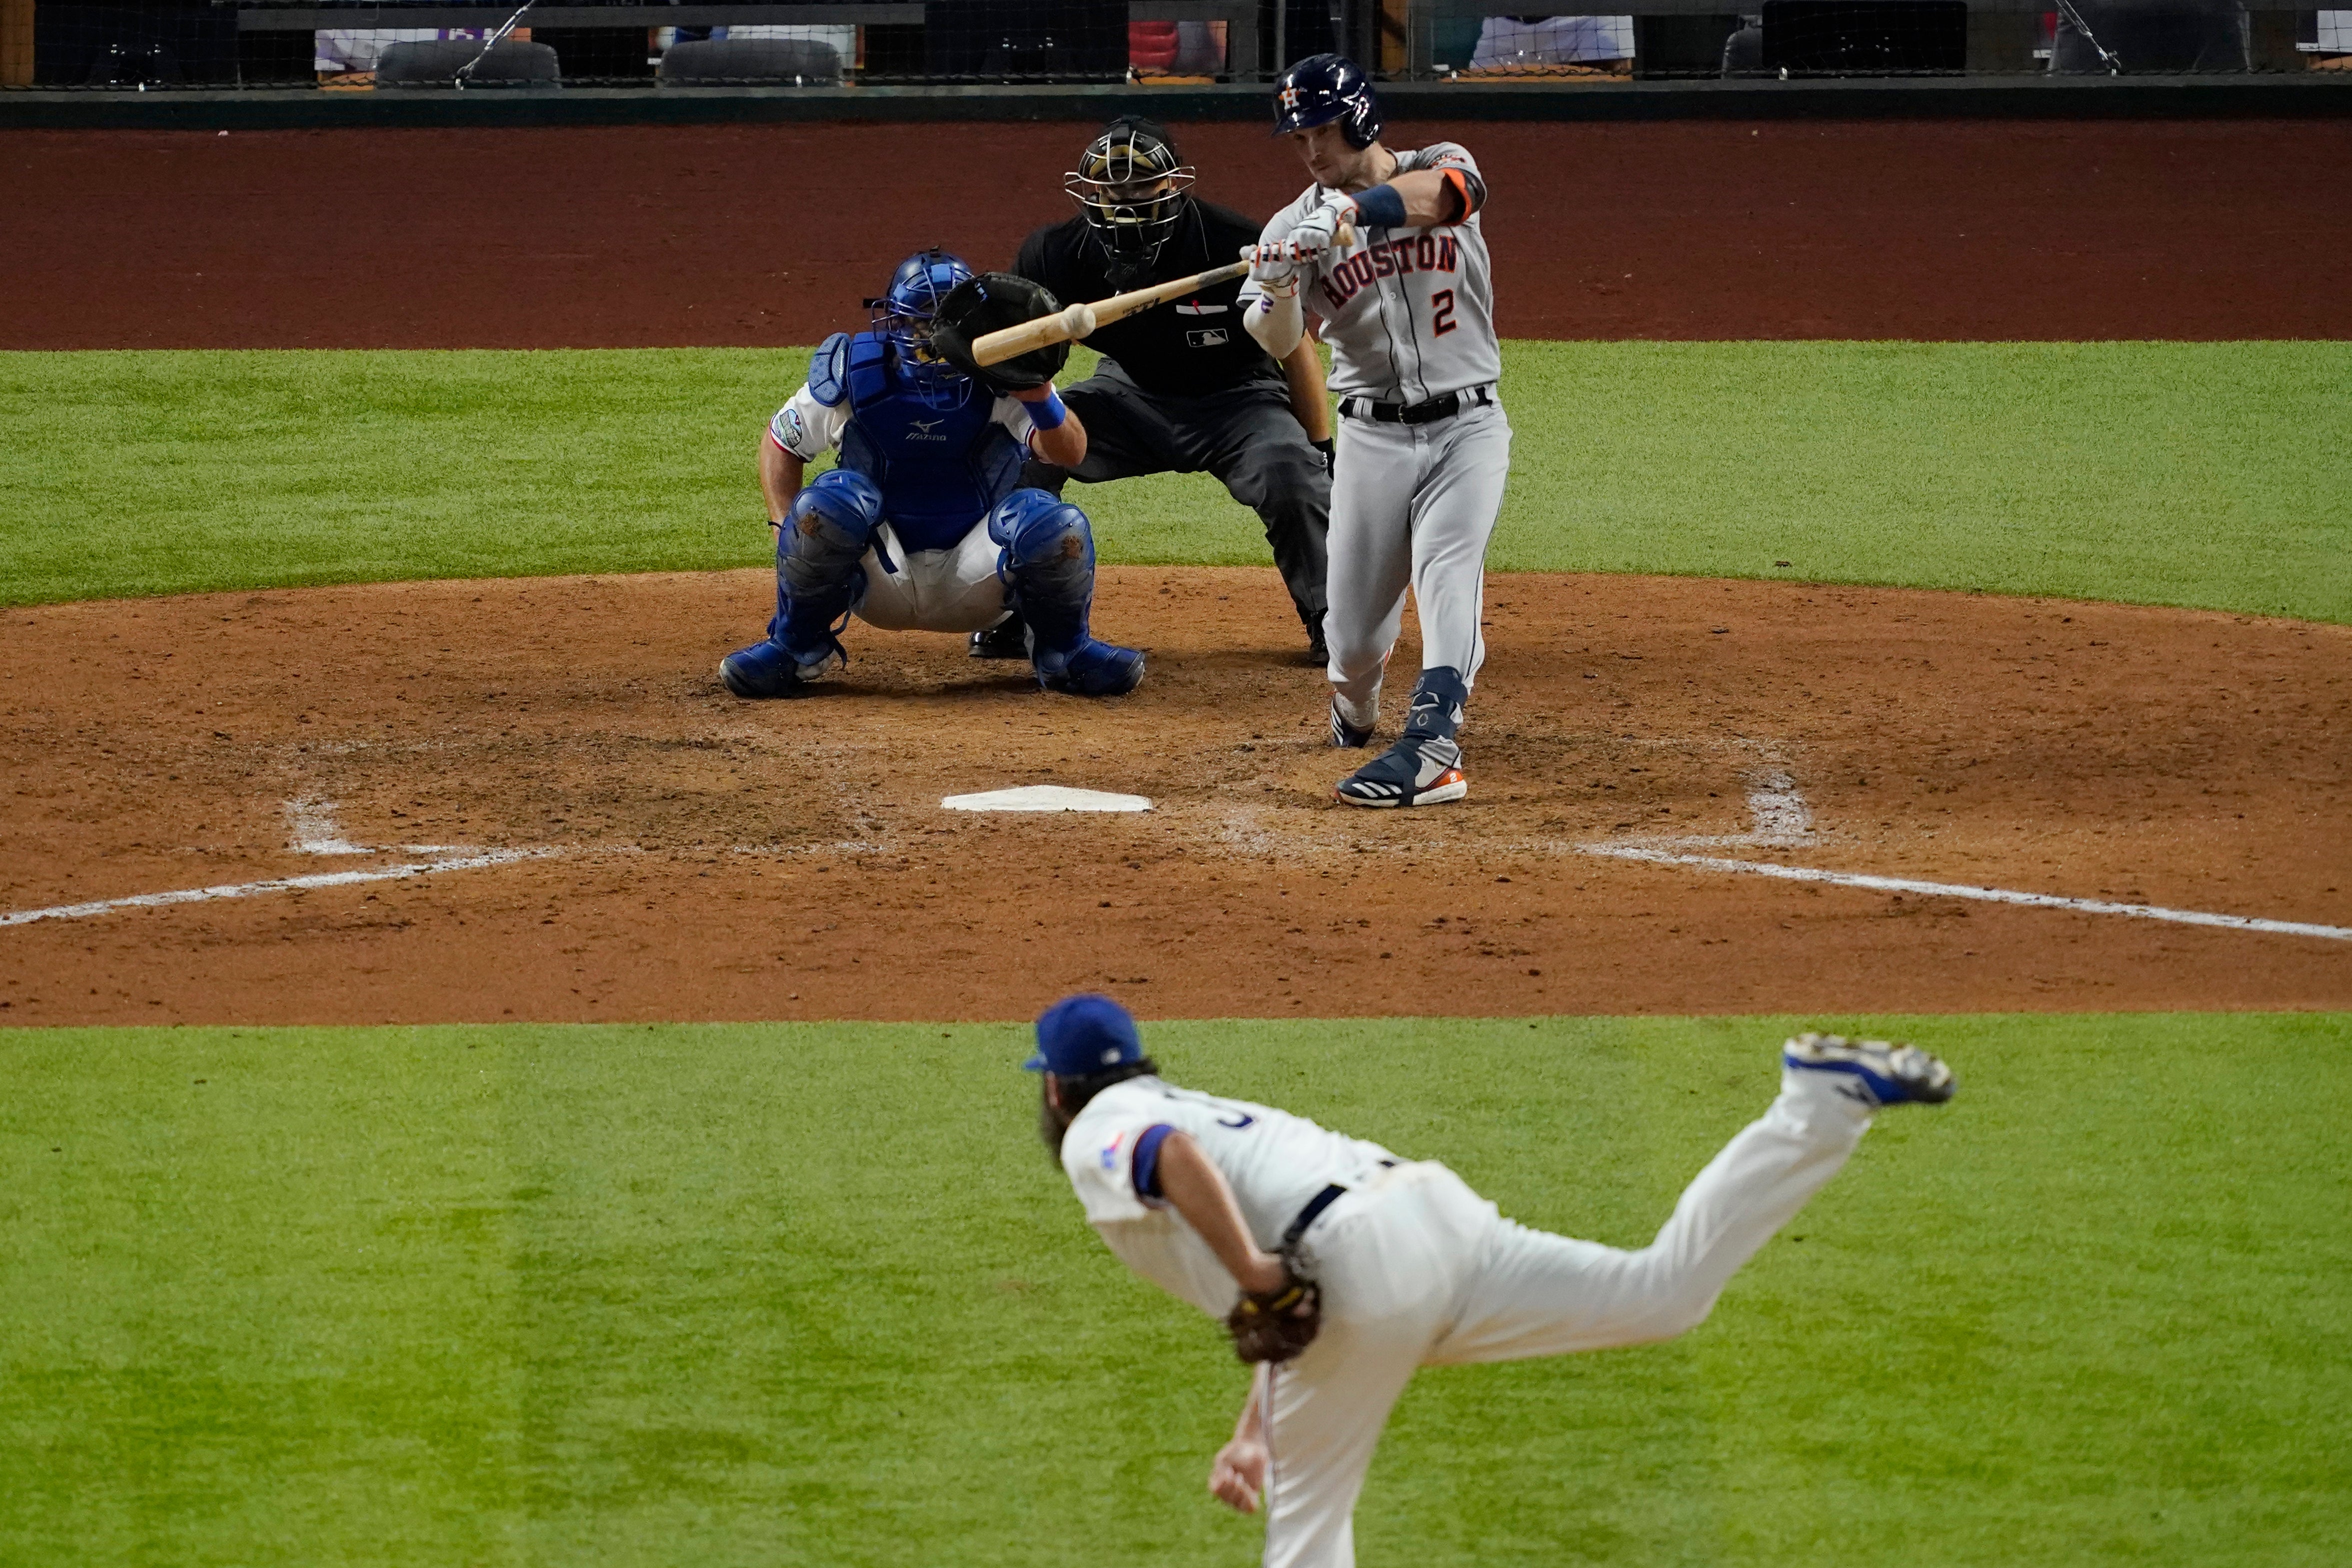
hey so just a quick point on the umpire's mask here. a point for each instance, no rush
(1132, 189)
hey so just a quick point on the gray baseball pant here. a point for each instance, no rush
(1412, 504)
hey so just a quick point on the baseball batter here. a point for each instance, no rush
(1424, 446)
(1376, 1264)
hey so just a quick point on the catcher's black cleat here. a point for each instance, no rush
(1008, 638)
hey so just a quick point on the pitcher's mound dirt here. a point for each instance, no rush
(728, 860)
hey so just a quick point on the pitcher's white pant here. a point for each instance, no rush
(1412, 503)
(951, 590)
(1419, 1270)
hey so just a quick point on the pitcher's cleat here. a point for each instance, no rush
(1418, 771)
(1877, 1072)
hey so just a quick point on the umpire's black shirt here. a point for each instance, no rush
(1191, 346)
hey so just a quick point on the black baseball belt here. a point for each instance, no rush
(1428, 412)
(1313, 1210)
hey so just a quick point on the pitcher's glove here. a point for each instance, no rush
(1275, 1325)
(978, 306)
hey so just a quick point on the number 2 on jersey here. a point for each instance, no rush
(1441, 312)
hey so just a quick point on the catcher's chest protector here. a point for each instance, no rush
(939, 469)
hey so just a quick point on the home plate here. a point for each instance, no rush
(1046, 797)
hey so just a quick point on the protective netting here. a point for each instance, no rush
(338, 45)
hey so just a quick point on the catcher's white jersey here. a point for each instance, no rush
(808, 429)
(1409, 313)
(1274, 1162)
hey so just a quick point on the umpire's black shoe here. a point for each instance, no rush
(1008, 638)
(1319, 652)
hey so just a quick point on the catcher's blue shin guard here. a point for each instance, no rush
(1048, 559)
(826, 533)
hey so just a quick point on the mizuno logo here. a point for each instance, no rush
(922, 429)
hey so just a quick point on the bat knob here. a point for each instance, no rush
(1079, 319)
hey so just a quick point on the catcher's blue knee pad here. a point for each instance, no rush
(827, 531)
(838, 510)
(1037, 528)
(1048, 558)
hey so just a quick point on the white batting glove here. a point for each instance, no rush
(1273, 271)
(1317, 231)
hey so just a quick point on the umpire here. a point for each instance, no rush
(1183, 389)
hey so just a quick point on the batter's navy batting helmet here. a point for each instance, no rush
(1321, 89)
(907, 309)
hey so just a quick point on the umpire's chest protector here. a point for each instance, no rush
(940, 459)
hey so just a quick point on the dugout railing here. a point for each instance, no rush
(826, 47)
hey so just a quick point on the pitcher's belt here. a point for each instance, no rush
(1313, 1210)
(1428, 412)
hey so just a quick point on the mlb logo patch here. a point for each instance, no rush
(1110, 1156)
(1208, 338)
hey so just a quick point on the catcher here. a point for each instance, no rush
(924, 525)
(1341, 1268)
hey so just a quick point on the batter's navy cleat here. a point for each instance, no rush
(1418, 771)
(1875, 1072)
(1096, 669)
(1346, 736)
(1008, 638)
(765, 670)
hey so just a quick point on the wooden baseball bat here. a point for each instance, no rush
(1076, 320)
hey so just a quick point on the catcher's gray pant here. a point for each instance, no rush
(1418, 1270)
(1412, 504)
(1247, 438)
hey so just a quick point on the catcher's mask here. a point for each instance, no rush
(1132, 188)
(905, 314)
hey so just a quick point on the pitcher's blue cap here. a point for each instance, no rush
(1082, 1035)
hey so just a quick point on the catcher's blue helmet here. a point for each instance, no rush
(904, 313)
(1321, 89)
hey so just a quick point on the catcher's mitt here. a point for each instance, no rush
(1275, 1325)
(987, 303)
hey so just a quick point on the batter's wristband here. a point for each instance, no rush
(1381, 207)
(1047, 413)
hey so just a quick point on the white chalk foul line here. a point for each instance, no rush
(274, 884)
(1981, 895)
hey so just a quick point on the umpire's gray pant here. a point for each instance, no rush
(1247, 438)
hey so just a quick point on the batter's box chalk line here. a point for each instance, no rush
(311, 831)
(1783, 819)
(1046, 797)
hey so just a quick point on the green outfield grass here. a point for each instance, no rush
(811, 1295)
(2211, 474)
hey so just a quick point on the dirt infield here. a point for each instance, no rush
(676, 853)
(771, 235)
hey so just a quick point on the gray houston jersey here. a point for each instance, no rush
(1409, 313)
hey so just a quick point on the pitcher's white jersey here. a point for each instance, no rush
(1409, 313)
(1274, 1162)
